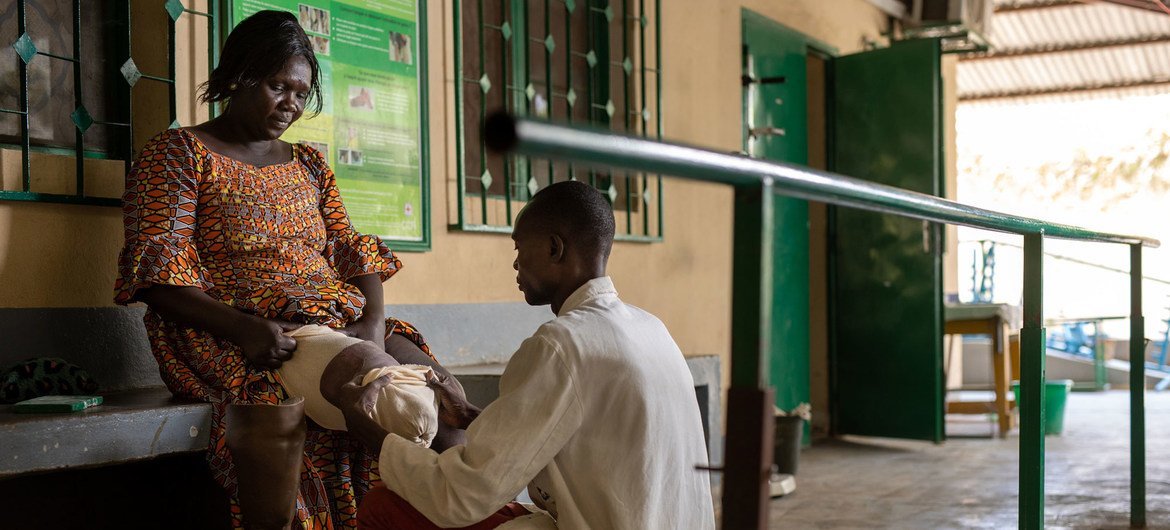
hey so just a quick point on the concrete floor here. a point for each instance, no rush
(857, 482)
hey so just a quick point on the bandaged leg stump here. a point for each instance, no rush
(407, 406)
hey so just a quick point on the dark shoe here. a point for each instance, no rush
(267, 443)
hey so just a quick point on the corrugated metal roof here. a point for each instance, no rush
(1062, 48)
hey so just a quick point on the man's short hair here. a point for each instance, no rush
(577, 210)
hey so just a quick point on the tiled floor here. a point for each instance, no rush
(858, 482)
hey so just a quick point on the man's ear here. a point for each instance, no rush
(556, 248)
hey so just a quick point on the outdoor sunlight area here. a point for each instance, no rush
(1099, 162)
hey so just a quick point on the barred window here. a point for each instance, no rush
(579, 61)
(72, 74)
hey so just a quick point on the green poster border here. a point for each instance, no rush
(424, 150)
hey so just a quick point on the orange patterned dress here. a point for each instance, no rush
(274, 241)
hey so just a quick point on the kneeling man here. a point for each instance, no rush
(596, 415)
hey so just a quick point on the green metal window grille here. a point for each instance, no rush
(98, 58)
(577, 61)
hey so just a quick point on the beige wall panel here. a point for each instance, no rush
(58, 255)
(54, 255)
(191, 36)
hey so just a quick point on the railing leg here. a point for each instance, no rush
(1032, 381)
(747, 461)
(1137, 389)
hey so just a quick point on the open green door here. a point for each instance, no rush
(775, 128)
(886, 282)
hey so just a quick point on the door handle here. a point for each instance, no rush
(756, 132)
(748, 79)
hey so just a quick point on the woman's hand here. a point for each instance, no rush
(368, 327)
(264, 343)
(371, 325)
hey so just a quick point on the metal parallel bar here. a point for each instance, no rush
(77, 102)
(9, 111)
(1032, 406)
(111, 123)
(1137, 390)
(603, 148)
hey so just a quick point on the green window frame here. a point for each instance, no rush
(121, 74)
(577, 61)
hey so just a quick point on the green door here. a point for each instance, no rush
(886, 277)
(775, 122)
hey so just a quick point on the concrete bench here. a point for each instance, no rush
(130, 425)
(140, 420)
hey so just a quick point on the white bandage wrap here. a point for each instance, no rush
(407, 407)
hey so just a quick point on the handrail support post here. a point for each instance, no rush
(1137, 388)
(750, 420)
(1032, 382)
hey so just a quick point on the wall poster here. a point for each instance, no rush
(372, 122)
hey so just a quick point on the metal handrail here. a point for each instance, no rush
(749, 398)
(598, 146)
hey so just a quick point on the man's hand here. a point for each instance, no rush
(264, 343)
(454, 409)
(357, 404)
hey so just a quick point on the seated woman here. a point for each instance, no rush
(235, 240)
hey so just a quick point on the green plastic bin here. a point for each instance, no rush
(1055, 397)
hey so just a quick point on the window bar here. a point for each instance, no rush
(460, 147)
(548, 75)
(642, 115)
(77, 102)
(569, 72)
(624, 21)
(590, 12)
(658, 98)
(213, 40)
(508, 176)
(129, 52)
(25, 128)
(524, 56)
(482, 117)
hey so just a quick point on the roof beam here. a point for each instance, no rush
(1069, 47)
(1032, 6)
(1147, 5)
(1032, 92)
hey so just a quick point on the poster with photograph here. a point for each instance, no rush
(370, 126)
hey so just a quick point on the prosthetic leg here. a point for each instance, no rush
(267, 443)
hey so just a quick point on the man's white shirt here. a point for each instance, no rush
(597, 415)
